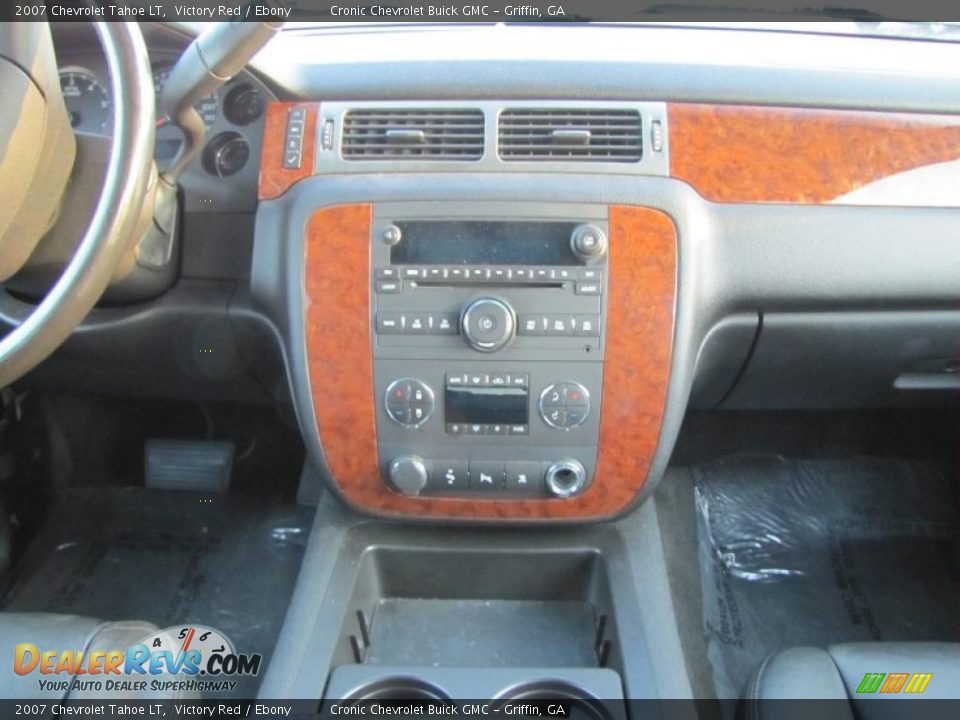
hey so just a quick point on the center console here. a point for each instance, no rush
(474, 343)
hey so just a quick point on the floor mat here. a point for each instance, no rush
(171, 558)
(820, 552)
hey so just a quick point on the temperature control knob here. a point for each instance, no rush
(487, 324)
(408, 474)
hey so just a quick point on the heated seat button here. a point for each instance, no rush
(524, 477)
(450, 476)
(486, 476)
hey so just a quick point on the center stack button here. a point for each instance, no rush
(487, 324)
(564, 405)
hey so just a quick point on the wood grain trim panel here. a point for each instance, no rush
(275, 180)
(641, 300)
(747, 154)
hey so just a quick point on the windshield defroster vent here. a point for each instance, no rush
(421, 134)
(532, 134)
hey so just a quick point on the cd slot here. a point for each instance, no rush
(487, 284)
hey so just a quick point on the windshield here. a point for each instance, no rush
(943, 31)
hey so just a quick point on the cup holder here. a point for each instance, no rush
(398, 688)
(581, 705)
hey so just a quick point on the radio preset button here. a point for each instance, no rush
(416, 323)
(586, 325)
(387, 273)
(530, 325)
(560, 325)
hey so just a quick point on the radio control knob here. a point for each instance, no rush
(487, 324)
(408, 474)
(566, 478)
(588, 242)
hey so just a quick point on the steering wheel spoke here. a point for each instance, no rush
(118, 210)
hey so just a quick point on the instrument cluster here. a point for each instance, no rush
(227, 114)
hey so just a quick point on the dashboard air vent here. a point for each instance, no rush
(534, 134)
(420, 134)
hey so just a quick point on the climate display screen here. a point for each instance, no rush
(486, 405)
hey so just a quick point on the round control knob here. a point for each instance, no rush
(409, 402)
(564, 405)
(408, 474)
(391, 235)
(487, 324)
(588, 242)
(566, 478)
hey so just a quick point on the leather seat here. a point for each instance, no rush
(839, 675)
(63, 633)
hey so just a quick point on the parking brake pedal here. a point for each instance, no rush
(195, 465)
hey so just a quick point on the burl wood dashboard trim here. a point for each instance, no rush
(744, 154)
(275, 180)
(641, 298)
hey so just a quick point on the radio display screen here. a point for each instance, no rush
(488, 405)
(484, 243)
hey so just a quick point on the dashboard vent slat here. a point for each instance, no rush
(570, 135)
(394, 134)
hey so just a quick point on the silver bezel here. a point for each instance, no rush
(573, 465)
(493, 346)
(427, 416)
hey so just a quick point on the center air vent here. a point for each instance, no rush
(421, 134)
(570, 135)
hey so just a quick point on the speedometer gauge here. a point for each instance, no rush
(169, 137)
(87, 99)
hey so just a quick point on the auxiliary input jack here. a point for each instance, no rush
(566, 478)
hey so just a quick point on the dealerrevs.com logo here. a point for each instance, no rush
(191, 658)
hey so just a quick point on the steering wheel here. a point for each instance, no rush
(129, 176)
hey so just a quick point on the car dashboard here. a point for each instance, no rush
(494, 266)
